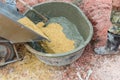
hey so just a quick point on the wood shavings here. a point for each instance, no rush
(88, 75)
(78, 74)
(30, 68)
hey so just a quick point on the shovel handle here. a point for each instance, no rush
(31, 8)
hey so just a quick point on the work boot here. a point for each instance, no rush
(113, 41)
(103, 50)
(111, 46)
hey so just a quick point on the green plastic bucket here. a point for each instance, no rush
(73, 14)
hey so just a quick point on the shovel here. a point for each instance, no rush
(13, 31)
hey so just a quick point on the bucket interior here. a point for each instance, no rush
(70, 12)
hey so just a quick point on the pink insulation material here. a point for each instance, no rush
(98, 12)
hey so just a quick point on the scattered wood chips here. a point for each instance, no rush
(30, 68)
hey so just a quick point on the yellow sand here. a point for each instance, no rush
(28, 23)
(59, 42)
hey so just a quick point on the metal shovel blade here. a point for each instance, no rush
(13, 31)
(16, 33)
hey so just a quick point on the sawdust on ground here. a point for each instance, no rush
(30, 68)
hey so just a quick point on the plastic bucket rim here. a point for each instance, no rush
(82, 46)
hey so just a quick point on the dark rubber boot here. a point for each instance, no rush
(112, 45)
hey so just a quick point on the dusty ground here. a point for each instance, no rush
(100, 67)
(103, 67)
